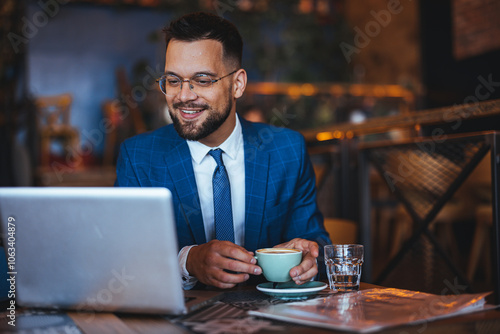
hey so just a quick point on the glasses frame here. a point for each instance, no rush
(191, 86)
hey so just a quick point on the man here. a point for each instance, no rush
(268, 177)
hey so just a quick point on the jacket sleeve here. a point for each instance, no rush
(308, 220)
(304, 209)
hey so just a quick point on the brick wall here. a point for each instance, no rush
(392, 55)
(476, 27)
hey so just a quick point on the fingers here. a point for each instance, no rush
(210, 264)
(305, 271)
(229, 250)
(306, 246)
(222, 279)
(308, 268)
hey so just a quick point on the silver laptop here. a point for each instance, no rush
(95, 249)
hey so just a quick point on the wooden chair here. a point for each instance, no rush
(341, 231)
(53, 124)
(111, 112)
(480, 249)
(459, 210)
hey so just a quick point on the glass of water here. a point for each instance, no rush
(343, 266)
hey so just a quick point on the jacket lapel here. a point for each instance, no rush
(256, 175)
(179, 165)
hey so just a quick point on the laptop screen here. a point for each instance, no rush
(94, 249)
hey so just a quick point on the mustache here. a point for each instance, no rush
(180, 105)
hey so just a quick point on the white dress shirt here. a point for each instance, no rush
(204, 165)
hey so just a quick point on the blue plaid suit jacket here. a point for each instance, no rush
(280, 193)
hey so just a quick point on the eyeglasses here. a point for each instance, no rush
(169, 83)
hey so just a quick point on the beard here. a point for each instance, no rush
(193, 130)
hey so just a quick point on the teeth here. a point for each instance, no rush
(191, 111)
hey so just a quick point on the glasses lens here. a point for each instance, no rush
(161, 83)
(201, 81)
(169, 84)
(172, 81)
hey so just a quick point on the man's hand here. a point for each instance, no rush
(308, 268)
(208, 262)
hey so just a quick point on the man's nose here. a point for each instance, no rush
(186, 93)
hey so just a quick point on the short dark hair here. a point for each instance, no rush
(201, 25)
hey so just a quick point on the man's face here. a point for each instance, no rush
(208, 114)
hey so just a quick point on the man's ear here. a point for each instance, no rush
(239, 83)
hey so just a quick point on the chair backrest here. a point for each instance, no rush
(341, 231)
(479, 181)
(53, 110)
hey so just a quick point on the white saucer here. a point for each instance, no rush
(290, 290)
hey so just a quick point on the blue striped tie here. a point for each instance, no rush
(223, 213)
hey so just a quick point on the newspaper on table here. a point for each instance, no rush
(374, 309)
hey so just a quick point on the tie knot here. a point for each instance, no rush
(217, 155)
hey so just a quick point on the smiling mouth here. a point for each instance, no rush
(191, 112)
(190, 109)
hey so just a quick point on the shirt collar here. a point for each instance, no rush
(230, 146)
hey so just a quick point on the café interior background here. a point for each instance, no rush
(107, 53)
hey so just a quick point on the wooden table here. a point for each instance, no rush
(227, 316)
